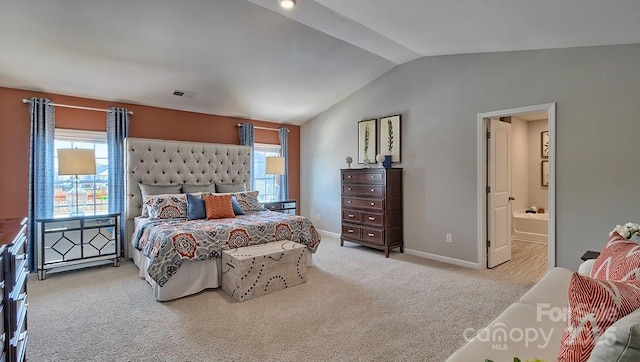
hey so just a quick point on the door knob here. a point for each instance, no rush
(511, 198)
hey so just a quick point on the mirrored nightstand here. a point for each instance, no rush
(285, 207)
(69, 242)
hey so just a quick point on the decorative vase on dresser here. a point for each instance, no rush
(372, 208)
(13, 260)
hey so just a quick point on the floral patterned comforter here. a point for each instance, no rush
(169, 242)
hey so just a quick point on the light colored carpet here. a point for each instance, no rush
(529, 261)
(356, 306)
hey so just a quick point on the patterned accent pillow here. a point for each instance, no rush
(151, 190)
(248, 201)
(619, 260)
(218, 206)
(594, 305)
(167, 206)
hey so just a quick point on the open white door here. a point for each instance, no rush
(498, 193)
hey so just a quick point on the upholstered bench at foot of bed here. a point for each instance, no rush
(257, 270)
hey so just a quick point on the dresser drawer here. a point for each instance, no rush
(19, 265)
(373, 219)
(364, 190)
(374, 204)
(3, 313)
(373, 177)
(99, 222)
(352, 216)
(374, 236)
(351, 231)
(18, 300)
(19, 341)
(18, 251)
(63, 225)
(2, 276)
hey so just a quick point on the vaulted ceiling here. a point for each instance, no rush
(250, 58)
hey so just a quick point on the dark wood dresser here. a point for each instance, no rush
(13, 258)
(372, 208)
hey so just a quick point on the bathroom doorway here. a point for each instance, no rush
(513, 237)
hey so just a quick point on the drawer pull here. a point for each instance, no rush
(349, 189)
(348, 202)
(371, 218)
(373, 203)
(349, 176)
(351, 215)
(21, 297)
(371, 234)
(23, 335)
(350, 230)
(373, 176)
(373, 190)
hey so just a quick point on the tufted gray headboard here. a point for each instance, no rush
(162, 162)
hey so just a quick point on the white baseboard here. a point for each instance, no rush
(444, 259)
(329, 234)
(422, 254)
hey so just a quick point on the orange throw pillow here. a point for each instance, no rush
(218, 206)
(594, 305)
(619, 260)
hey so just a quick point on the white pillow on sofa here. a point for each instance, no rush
(622, 342)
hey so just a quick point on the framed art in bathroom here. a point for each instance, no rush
(544, 144)
(367, 136)
(390, 137)
(544, 172)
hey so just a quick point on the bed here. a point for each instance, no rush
(180, 257)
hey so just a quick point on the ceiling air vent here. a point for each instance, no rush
(186, 94)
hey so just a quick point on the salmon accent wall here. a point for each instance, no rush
(146, 122)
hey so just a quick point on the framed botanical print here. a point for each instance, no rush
(367, 135)
(390, 137)
(544, 172)
(544, 144)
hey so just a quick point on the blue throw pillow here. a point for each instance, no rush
(195, 208)
(236, 206)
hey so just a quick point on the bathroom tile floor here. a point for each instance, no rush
(528, 260)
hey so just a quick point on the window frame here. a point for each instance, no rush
(80, 138)
(269, 149)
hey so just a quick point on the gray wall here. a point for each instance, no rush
(597, 90)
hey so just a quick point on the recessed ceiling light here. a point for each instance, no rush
(287, 4)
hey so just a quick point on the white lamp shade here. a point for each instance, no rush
(76, 161)
(275, 166)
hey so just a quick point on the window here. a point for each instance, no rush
(95, 185)
(268, 185)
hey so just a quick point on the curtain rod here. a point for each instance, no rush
(264, 128)
(77, 107)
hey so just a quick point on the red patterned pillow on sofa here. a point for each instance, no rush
(619, 260)
(594, 305)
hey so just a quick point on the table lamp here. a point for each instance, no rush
(275, 166)
(76, 161)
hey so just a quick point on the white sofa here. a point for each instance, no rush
(528, 329)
